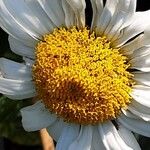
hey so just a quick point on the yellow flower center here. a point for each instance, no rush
(80, 77)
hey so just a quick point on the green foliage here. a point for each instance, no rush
(10, 122)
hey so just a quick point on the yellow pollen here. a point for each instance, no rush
(80, 77)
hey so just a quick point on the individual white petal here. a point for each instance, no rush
(50, 7)
(69, 14)
(146, 39)
(78, 7)
(30, 15)
(136, 48)
(97, 142)
(122, 17)
(130, 47)
(137, 112)
(36, 117)
(97, 7)
(44, 23)
(29, 62)
(69, 134)
(141, 95)
(139, 108)
(135, 125)
(128, 138)
(128, 6)
(129, 114)
(13, 70)
(140, 112)
(106, 16)
(141, 63)
(107, 136)
(143, 51)
(111, 138)
(84, 140)
(17, 89)
(12, 27)
(20, 49)
(55, 129)
(74, 12)
(137, 26)
(142, 77)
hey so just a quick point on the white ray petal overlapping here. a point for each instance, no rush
(19, 72)
(17, 89)
(135, 125)
(25, 19)
(105, 17)
(50, 7)
(128, 137)
(56, 129)
(20, 48)
(84, 140)
(110, 135)
(69, 134)
(42, 117)
(135, 28)
(97, 6)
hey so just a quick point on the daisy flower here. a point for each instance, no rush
(92, 82)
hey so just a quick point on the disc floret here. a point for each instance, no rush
(80, 77)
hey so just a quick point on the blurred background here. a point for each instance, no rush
(12, 135)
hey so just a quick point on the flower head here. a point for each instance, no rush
(87, 79)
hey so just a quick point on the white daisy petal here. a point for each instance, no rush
(69, 134)
(17, 89)
(141, 63)
(84, 140)
(97, 6)
(122, 17)
(78, 7)
(21, 49)
(140, 112)
(130, 47)
(129, 114)
(45, 24)
(69, 14)
(135, 48)
(97, 142)
(141, 95)
(134, 28)
(129, 7)
(111, 138)
(135, 125)
(139, 108)
(14, 70)
(142, 77)
(74, 12)
(42, 117)
(50, 7)
(106, 16)
(32, 19)
(128, 138)
(29, 62)
(55, 129)
(146, 39)
(143, 51)
(142, 46)
(12, 27)
(143, 39)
